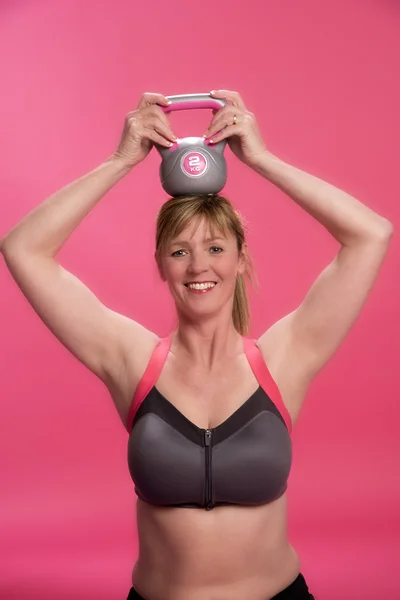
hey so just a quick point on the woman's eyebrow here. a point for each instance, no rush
(206, 240)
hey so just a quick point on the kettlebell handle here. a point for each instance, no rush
(191, 101)
(191, 166)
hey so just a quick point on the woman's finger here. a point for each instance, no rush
(234, 97)
(222, 112)
(223, 134)
(149, 98)
(164, 118)
(155, 137)
(154, 114)
(218, 115)
(160, 127)
(231, 117)
(149, 108)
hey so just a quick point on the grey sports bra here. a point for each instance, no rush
(245, 460)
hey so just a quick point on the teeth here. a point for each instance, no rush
(200, 286)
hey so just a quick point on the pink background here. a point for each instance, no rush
(323, 81)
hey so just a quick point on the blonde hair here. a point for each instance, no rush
(177, 213)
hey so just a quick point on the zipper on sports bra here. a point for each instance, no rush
(207, 443)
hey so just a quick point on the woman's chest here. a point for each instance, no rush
(209, 398)
(205, 398)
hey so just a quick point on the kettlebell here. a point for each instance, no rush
(191, 166)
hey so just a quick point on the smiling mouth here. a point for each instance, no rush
(201, 289)
(187, 284)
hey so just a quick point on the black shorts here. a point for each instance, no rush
(297, 590)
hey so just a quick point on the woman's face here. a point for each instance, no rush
(197, 258)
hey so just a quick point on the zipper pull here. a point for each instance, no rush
(207, 434)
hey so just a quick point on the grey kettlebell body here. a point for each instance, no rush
(193, 166)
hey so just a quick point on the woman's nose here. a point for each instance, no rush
(198, 263)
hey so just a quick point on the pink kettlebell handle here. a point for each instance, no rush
(191, 101)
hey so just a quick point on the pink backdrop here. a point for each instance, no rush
(323, 81)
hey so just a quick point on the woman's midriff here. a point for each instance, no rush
(230, 552)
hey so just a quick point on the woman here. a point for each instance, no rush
(212, 411)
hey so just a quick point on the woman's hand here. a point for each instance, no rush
(146, 125)
(242, 132)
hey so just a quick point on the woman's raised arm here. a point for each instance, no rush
(91, 331)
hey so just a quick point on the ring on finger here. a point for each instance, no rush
(234, 120)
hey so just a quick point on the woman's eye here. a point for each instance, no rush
(178, 255)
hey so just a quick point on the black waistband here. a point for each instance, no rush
(297, 590)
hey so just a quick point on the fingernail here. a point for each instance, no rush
(212, 92)
(169, 102)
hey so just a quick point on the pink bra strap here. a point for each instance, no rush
(265, 379)
(149, 378)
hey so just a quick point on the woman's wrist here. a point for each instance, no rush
(264, 164)
(121, 164)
